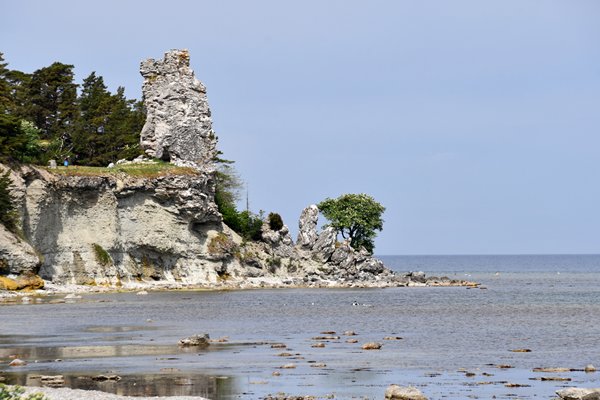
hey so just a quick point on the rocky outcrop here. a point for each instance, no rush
(17, 257)
(116, 229)
(579, 394)
(307, 235)
(178, 124)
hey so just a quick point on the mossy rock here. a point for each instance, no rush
(29, 282)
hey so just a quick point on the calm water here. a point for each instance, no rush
(548, 304)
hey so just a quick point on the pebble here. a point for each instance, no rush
(318, 345)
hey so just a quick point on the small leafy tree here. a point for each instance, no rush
(355, 217)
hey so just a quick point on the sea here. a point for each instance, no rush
(531, 311)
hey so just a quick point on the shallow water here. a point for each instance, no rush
(548, 304)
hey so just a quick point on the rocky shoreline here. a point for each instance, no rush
(411, 279)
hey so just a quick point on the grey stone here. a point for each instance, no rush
(395, 392)
(280, 241)
(307, 234)
(178, 124)
(418, 276)
(325, 245)
(16, 255)
(196, 340)
(579, 394)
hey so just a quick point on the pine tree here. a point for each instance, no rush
(109, 126)
(8, 212)
(5, 100)
(52, 106)
(94, 104)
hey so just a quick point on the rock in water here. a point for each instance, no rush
(371, 346)
(178, 125)
(579, 394)
(395, 392)
(196, 340)
(590, 368)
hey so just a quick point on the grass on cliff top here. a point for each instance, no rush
(141, 170)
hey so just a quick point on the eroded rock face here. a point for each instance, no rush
(307, 235)
(111, 229)
(178, 124)
(280, 241)
(16, 256)
(325, 245)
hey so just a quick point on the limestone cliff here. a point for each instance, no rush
(113, 227)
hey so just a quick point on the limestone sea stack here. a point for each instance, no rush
(178, 124)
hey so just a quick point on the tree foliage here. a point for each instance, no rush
(42, 118)
(355, 217)
(8, 212)
(228, 186)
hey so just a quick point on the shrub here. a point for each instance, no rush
(275, 221)
(16, 393)
(102, 255)
(221, 244)
(250, 225)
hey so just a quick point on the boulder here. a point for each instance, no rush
(418, 276)
(579, 394)
(307, 234)
(395, 392)
(325, 245)
(196, 340)
(17, 362)
(178, 124)
(371, 346)
(21, 282)
(590, 368)
(16, 255)
(280, 242)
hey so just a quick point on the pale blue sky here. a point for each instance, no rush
(476, 123)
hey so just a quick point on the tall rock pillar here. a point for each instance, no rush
(178, 125)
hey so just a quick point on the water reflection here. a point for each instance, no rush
(149, 385)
